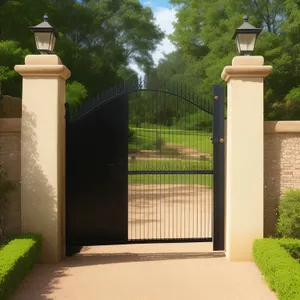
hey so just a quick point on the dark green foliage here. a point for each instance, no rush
(196, 121)
(76, 93)
(11, 53)
(288, 224)
(159, 143)
(138, 142)
(203, 36)
(97, 39)
(157, 108)
(274, 258)
(16, 259)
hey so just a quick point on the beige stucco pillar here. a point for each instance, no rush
(244, 154)
(43, 152)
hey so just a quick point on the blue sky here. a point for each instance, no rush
(156, 3)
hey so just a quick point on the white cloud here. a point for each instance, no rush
(164, 18)
(135, 67)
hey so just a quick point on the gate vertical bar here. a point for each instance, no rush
(126, 86)
(218, 142)
(67, 117)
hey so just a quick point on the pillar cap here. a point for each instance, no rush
(282, 126)
(246, 66)
(43, 66)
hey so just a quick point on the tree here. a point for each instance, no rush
(97, 39)
(10, 54)
(76, 93)
(203, 33)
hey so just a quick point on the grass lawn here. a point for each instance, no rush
(145, 139)
(189, 138)
(169, 165)
(206, 180)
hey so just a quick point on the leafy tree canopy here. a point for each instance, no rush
(203, 37)
(97, 39)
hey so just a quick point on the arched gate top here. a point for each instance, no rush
(135, 85)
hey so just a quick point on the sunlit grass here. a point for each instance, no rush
(145, 138)
(205, 180)
(169, 165)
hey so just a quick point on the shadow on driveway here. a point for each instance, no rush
(44, 280)
(115, 258)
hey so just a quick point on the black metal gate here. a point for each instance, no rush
(145, 163)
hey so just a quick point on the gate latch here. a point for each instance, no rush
(217, 141)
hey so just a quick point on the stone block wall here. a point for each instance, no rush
(10, 107)
(281, 166)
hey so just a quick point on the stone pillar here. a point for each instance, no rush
(244, 149)
(43, 152)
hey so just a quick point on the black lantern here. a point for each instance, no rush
(245, 37)
(45, 36)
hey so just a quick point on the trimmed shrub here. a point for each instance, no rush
(159, 143)
(76, 93)
(288, 225)
(276, 261)
(195, 121)
(16, 259)
(293, 247)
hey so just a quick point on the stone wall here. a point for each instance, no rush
(281, 166)
(10, 144)
(10, 107)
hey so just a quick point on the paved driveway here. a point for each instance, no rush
(169, 211)
(146, 272)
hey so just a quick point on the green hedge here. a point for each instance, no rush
(288, 224)
(16, 259)
(278, 261)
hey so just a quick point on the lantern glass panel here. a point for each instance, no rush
(246, 42)
(43, 40)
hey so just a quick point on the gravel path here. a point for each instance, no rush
(183, 151)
